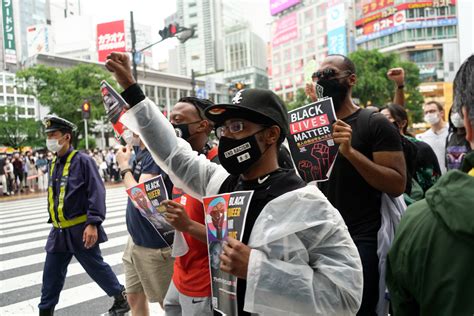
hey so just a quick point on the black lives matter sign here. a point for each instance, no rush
(311, 142)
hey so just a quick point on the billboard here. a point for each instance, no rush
(336, 27)
(38, 38)
(375, 5)
(110, 38)
(285, 29)
(8, 32)
(276, 6)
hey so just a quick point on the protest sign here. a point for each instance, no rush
(115, 106)
(225, 216)
(146, 197)
(310, 140)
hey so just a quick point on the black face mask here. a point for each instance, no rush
(182, 130)
(334, 89)
(238, 155)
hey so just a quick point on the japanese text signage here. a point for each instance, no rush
(376, 5)
(277, 6)
(8, 32)
(337, 42)
(110, 38)
(285, 30)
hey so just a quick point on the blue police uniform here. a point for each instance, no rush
(76, 198)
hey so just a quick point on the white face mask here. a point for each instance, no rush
(457, 120)
(53, 145)
(432, 118)
(130, 139)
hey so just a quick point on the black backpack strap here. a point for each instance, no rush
(363, 127)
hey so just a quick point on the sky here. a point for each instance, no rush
(153, 13)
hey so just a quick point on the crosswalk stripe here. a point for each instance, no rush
(118, 217)
(40, 223)
(41, 212)
(40, 257)
(35, 278)
(30, 245)
(13, 206)
(69, 297)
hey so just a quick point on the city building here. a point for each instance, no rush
(304, 32)
(425, 32)
(204, 53)
(13, 93)
(245, 58)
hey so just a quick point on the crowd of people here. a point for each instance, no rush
(28, 172)
(331, 248)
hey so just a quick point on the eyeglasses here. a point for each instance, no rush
(329, 73)
(232, 127)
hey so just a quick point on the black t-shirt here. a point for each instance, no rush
(265, 189)
(346, 189)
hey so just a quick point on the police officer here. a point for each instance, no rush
(76, 205)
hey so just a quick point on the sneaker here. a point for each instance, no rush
(120, 306)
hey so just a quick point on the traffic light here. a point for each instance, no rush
(86, 110)
(240, 85)
(169, 31)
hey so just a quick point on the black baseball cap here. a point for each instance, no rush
(55, 123)
(260, 106)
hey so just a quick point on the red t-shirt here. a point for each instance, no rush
(191, 274)
(191, 271)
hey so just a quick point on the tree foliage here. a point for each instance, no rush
(300, 100)
(64, 90)
(373, 87)
(19, 132)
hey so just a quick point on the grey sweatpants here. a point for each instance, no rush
(178, 304)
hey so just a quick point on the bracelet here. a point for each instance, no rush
(124, 172)
(401, 86)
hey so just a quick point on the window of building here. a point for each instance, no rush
(192, 4)
(452, 10)
(287, 54)
(276, 71)
(430, 12)
(421, 13)
(308, 30)
(419, 33)
(183, 93)
(287, 68)
(299, 64)
(321, 10)
(308, 16)
(442, 11)
(298, 51)
(31, 111)
(162, 97)
(451, 31)
(10, 100)
(30, 101)
(9, 79)
(429, 32)
(2, 99)
(310, 48)
(192, 15)
(10, 89)
(194, 57)
(150, 91)
(439, 32)
(411, 14)
(20, 100)
(451, 66)
(21, 110)
(276, 58)
(1, 88)
(173, 96)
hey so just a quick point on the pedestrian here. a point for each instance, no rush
(456, 144)
(42, 166)
(3, 178)
(190, 291)
(147, 257)
(10, 176)
(368, 164)
(425, 167)
(76, 204)
(18, 170)
(429, 268)
(32, 175)
(296, 256)
(436, 135)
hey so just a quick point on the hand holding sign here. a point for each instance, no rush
(235, 258)
(343, 136)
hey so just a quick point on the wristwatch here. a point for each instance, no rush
(124, 172)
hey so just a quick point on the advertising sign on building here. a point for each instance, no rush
(277, 6)
(336, 26)
(285, 30)
(8, 32)
(38, 38)
(375, 5)
(110, 38)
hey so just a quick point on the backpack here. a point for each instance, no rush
(391, 211)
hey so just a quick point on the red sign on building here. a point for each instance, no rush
(110, 38)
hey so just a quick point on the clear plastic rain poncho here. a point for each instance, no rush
(303, 260)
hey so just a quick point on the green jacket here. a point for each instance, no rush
(430, 267)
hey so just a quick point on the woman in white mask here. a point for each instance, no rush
(456, 144)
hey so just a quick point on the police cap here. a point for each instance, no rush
(55, 123)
